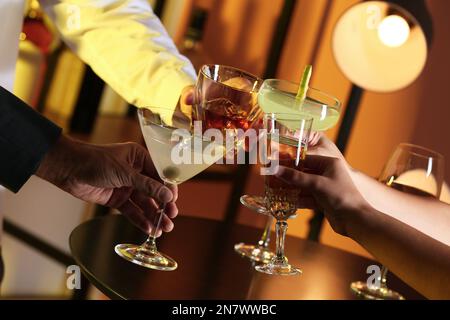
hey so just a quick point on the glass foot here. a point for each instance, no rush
(258, 204)
(255, 203)
(255, 253)
(371, 293)
(279, 269)
(146, 258)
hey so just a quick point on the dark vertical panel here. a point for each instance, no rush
(159, 7)
(279, 37)
(320, 33)
(88, 102)
(52, 62)
(351, 110)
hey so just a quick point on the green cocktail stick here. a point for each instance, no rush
(304, 84)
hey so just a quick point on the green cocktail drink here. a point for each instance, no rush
(279, 96)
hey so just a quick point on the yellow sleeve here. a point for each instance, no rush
(127, 46)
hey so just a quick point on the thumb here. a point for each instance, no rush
(314, 138)
(188, 95)
(298, 178)
(151, 188)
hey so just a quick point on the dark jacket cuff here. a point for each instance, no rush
(25, 137)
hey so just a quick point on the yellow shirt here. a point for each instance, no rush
(126, 45)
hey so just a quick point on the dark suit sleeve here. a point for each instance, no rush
(25, 138)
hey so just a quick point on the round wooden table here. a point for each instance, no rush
(208, 266)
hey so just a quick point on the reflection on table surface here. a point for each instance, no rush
(208, 266)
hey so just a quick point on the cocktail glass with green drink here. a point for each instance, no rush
(281, 96)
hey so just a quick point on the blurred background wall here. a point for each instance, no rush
(238, 33)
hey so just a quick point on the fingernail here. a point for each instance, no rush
(189, 100)
(175, 213)
(165, 195)
(280, 171)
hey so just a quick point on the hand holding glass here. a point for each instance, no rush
(287, 141)
(165, 131)
(279, 96)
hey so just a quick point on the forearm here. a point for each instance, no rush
(417, 259)
(426, 215)
(127, 46)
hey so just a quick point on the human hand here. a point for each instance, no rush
(320, 145)
(326, 185)
(119, 175)
(187, 98)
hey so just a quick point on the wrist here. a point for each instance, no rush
(351, 171)
(53, 167)
(360, 221)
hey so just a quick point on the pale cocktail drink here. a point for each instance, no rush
(178, 154)
(179, 157)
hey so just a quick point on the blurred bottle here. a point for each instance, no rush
(38, 39)
(192, 44)
(37, 29)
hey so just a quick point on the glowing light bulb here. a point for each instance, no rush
(393, 31)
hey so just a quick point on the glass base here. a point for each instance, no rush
(255, 203)
(258, 204)
(362, 290)
(279, 269)
(255, 253)
(146, 258)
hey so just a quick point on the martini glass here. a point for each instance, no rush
(178, 153)
(279, 96)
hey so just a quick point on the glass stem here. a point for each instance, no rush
(150, 243)
(265, 238)
(281, 228)
(383, 275)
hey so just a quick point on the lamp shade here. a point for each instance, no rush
(380, 46)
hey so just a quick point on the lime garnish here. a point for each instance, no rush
(304, 84)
